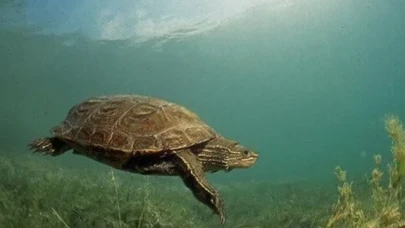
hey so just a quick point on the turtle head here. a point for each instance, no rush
(225, 154)
(238, 156)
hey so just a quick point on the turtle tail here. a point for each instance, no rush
(49, 146)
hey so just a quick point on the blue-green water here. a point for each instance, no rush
(306, 86)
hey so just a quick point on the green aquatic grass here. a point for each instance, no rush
(38, 193)
(35, 191)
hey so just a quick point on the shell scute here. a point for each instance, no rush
(120, 141)
(99, 138)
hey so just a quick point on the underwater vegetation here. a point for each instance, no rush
(386, 206)
(37, 192)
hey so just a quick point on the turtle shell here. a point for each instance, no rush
(132, 123)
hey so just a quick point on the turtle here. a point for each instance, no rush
(149, 136)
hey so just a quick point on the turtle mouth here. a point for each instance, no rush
(246, 162)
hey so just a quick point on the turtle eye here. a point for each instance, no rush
(246, 152)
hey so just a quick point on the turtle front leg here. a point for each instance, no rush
(192, 173)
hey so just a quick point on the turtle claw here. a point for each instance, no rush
(43, 145)
(222, 219)
(217, 206)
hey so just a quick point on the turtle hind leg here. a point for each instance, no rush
(192, 173)
(49, 146)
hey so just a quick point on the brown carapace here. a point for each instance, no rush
(149, 136)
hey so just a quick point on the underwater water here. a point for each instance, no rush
(306, 85)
